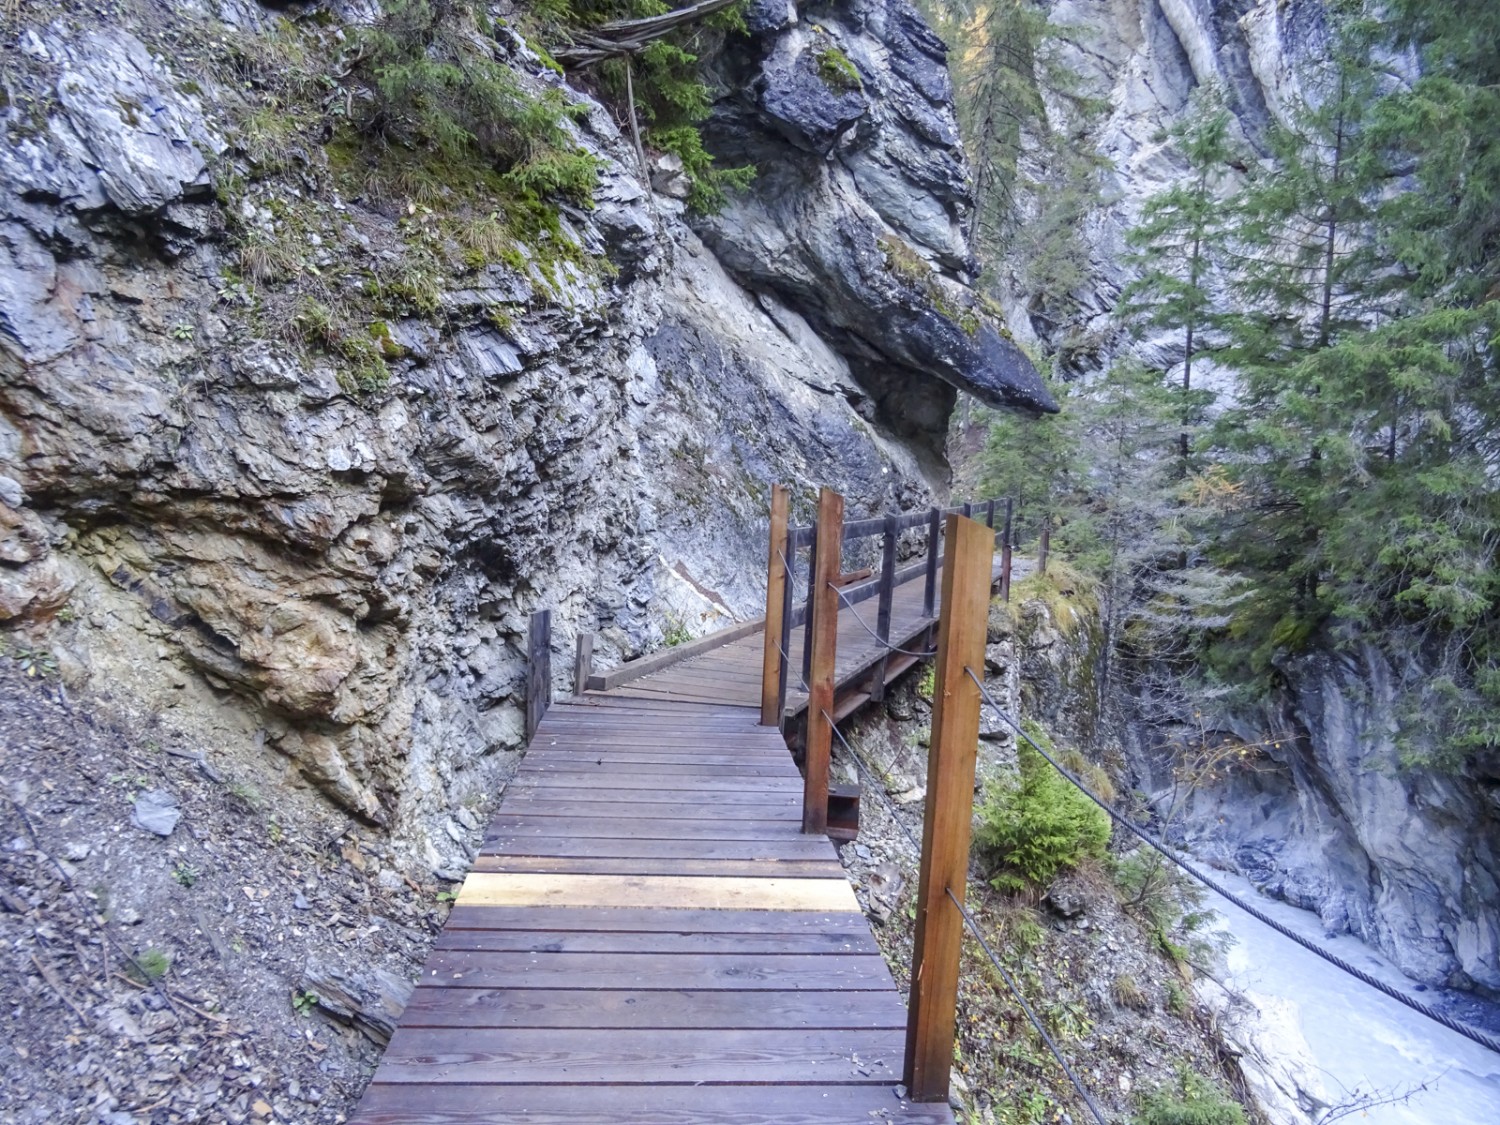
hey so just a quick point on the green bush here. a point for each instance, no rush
(1196, 1101)
(431, 81)
(1031, 832)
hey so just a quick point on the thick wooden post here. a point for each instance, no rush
(771, 675)
(784, 668)
(1005, 550)
(887, 597)
(583, 662)
(807, 625)
(1045, 547)
(929, 592)
(950, 808)
(989, 514)
(823, 613)
(538, 669)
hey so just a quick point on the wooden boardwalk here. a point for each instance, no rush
(647, 936)
(731, 672)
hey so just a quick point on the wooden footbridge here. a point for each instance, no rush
(658, 928)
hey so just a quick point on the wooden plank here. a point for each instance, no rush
(663, 891)
(612, 818)
(824, 643)
(672, 865)
(533, 788)
(512, 830)
(605, 762)
(641, 1105)
(672, 972)
(563, 846)
(566, 941)
(770, 715)
(950, 808)
(708, 790)
(434, 1056)
(583, 662)
(656, 661)
(605, 774)
(538, 669)
(440, 1006)
(622, 919)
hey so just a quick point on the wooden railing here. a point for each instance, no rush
(829, 588)
(962, 550)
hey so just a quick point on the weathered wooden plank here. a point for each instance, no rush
(641, 1105)
(538, 669)
(515, 833)
(656, 781)
(629, 941)
(657, 661)
(583, 662)
(481, 889)
(438, 1006)
(824, 642)
(949, 810)
(772, 635)
(434, 1056)
(563, 846)
(635, 918)
(662, 821)
(673, 865)
(787, 972)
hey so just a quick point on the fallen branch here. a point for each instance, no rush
(627, 37)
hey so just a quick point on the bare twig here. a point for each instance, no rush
(49, 974)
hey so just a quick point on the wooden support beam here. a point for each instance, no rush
(772, 673)
(1005, 550)
(929, 593)
(950, 808)
(887, 597)
(538, 669)
(823, 620)
(583, 662)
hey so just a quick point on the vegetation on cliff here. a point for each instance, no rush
(1344, 279)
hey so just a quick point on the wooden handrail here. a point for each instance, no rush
(952, 751)
(824, 630)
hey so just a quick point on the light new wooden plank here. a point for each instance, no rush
(662, 891)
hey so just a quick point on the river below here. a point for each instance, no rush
(1344, 1039)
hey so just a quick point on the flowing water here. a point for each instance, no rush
(1359, 1039)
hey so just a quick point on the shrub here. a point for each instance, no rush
(1195, 1102)
(1032, 831)
(431, 80)
(837, 72)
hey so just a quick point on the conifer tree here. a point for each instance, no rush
(1179, 242)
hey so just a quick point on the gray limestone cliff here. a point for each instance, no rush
(216, 525)
(1404, 857)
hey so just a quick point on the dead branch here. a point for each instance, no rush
(627, 37)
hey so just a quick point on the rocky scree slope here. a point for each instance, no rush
(205, 504)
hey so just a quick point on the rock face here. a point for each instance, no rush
(858, 217)
(197, 514)
(1325, 817)
(1143, 61)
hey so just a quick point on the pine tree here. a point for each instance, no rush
(1179, 242)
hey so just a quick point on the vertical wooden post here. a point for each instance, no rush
(968, 510)
(771, 661)
(583, 662)
(824, 615)
(950, 808)
(1005, 550)
(784, 668)
(538, 669)
(929, 593)
(883, 614)
(1045, 547)
(807, 625)
(989, 515)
